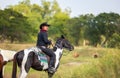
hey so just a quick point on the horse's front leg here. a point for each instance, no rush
(25, 67)
(23, 73)
(50, 75)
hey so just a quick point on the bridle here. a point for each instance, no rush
(61, 46)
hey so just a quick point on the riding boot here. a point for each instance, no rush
(51, 68)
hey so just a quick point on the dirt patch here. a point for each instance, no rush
(73, 64)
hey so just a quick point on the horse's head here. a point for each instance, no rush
(62, 42)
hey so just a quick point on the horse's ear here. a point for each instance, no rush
(62, 37)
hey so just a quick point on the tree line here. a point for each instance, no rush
(20, 23)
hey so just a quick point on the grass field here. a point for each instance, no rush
(106, 65)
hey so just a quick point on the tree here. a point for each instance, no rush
(92, 32)
(4, 24)
(46, 12)
(106, 23)
(114, 41)
(76, 28)
(14, 27)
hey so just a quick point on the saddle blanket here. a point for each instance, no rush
(43, 59)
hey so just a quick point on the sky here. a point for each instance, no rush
(78, 7)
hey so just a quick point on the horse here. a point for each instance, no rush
(28, 58)
(5, 56)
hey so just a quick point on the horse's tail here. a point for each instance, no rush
(14, 70)
(1, 66)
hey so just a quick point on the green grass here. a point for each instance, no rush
(104, 67)
(84, 66)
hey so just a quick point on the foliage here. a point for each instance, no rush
(106, 23)
(97, 30)
(58, 24)
(114, 41)
(13, 26)
(77, 28)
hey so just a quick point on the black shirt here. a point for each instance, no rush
(42, 39)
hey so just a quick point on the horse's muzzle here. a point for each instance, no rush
(71, 48)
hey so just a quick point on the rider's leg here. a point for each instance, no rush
(51, 54)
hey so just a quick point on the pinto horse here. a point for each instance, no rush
(28, 58)
(5, 56)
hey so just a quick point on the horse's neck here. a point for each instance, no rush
(58, 54)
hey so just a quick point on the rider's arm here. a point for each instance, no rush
(45, 38)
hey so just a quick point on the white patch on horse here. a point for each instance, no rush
(57, 52)
(7, 54)
(23, 73)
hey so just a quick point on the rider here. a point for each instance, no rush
(43, 42)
